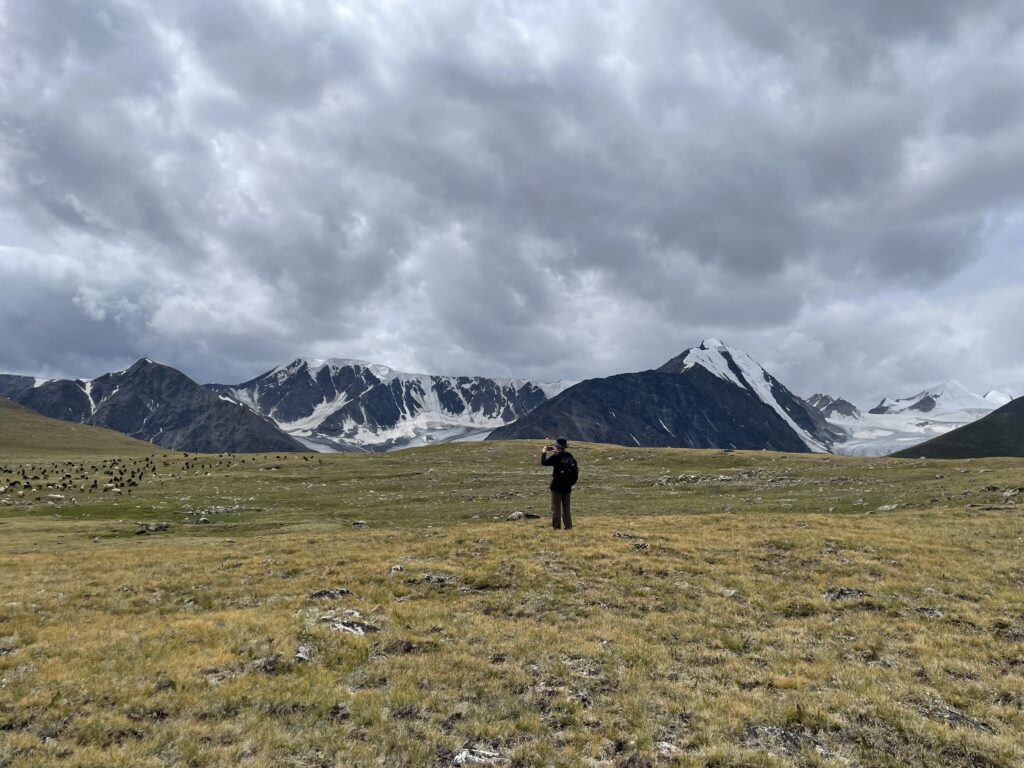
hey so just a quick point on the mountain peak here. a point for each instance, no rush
(998, 397)
(740, 369)
(712, 343)
(831, 407)
(314, 364)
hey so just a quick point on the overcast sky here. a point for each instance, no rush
(543, 189)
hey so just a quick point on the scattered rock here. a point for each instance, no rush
(667, 749)
(844, 593)
(353, 627)
(440, 579)
(360, 524)
(216, 676)
(304, 653)
(641, 545)
(147, 528)
(515, 516)
(953, 717)
(887, 508)
(629, 536)
(932, 613)
(531, 515)
(203, 521)
(333, 592)
(478, 757)
(395, 569)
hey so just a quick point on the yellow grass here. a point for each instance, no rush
(712, 645)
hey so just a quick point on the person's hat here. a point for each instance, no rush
(562, 442)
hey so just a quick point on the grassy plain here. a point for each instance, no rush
(687, 619)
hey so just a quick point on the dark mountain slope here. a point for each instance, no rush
(1001, 433)
(156, 403)
(692, 409)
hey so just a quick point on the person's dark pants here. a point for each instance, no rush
(560, 510)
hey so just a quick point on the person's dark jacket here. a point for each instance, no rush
(557, 462)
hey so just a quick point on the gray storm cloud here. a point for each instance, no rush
(556, 190)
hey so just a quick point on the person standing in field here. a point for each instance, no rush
(564, 474)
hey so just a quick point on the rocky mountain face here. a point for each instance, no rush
(353, 405)
(711, 396)
(830, 407)
(152, 402)
(1000, 433)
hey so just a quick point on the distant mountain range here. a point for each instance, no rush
(346, 405)
(898, 423)
(1000, 433)
(710, 396)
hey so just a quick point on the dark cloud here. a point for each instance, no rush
(544, 189)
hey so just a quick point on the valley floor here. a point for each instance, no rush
(710, 608)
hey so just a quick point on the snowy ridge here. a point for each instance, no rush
(346, 404)
(947, 397)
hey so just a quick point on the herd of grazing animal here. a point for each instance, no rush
(62, 482)
(57, 483)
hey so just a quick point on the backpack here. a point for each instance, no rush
(568, 473)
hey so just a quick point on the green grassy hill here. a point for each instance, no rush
(1001, 433)
(710, 608)
(26, 434)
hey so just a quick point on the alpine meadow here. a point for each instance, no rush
(709, 608)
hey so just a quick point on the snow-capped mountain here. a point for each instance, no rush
(896, 424)
(153, 402)
(947, 397)
(344, 405)
(739, 368)
(710, 396)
